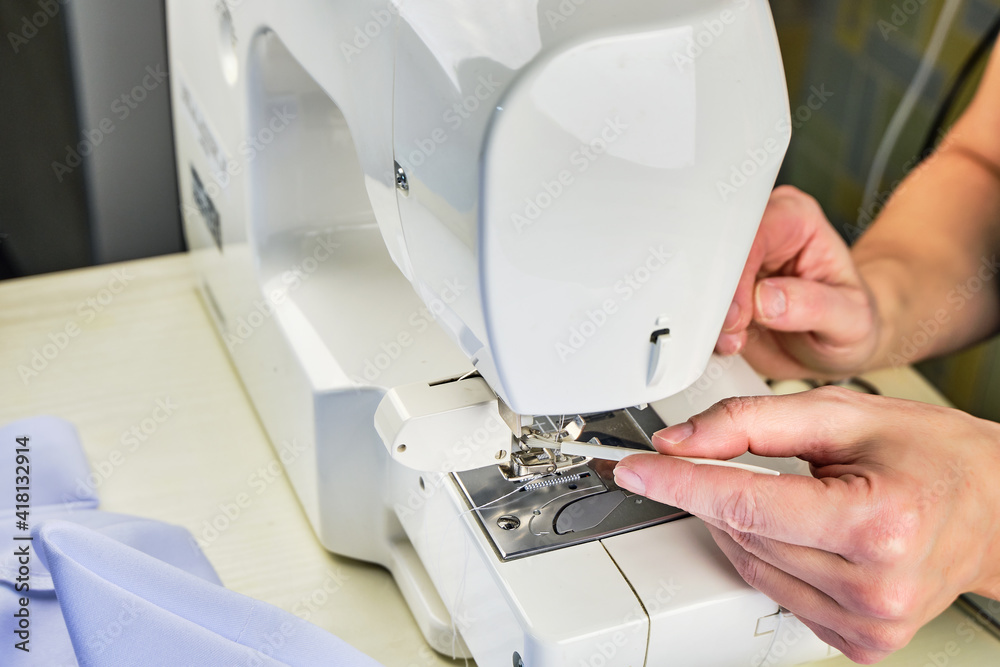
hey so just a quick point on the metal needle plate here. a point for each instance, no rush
(573, 506)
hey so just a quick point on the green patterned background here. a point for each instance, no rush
(847, 46)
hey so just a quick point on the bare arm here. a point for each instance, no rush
(922, 281)
(930, 259)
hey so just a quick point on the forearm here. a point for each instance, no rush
(931, 259)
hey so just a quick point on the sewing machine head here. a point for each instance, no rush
(598, 195)
(596, 184)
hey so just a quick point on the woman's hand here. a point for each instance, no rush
(902, 513)
(801, 309)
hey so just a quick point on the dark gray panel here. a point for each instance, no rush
(44, 218)
(120, 62)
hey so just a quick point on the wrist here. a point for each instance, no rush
(988, 582)
(884, 278)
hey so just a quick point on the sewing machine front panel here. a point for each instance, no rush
(598, 177)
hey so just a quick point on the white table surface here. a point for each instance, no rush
(153, 341)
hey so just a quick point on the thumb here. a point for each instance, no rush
(836, 314)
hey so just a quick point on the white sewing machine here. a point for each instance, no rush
(441, 238)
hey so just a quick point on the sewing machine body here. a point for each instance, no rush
(439, 217)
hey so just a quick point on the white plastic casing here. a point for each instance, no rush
(447, 427)
(607, 185)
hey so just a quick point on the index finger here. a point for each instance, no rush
(793, 509)
(822, 426)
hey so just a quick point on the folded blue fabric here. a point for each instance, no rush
(124, 607)
(108, 589)
(48, 641)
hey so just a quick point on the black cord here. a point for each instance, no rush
(968, 67)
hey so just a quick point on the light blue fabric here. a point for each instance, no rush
(50, 643)
(109, 589)
(60, 474)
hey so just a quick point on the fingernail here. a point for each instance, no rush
(732, 317)
(629, 481)
(729, 344)
(771, 301)
(676, 433)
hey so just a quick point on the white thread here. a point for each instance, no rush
(774, 637)
(537, 512)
